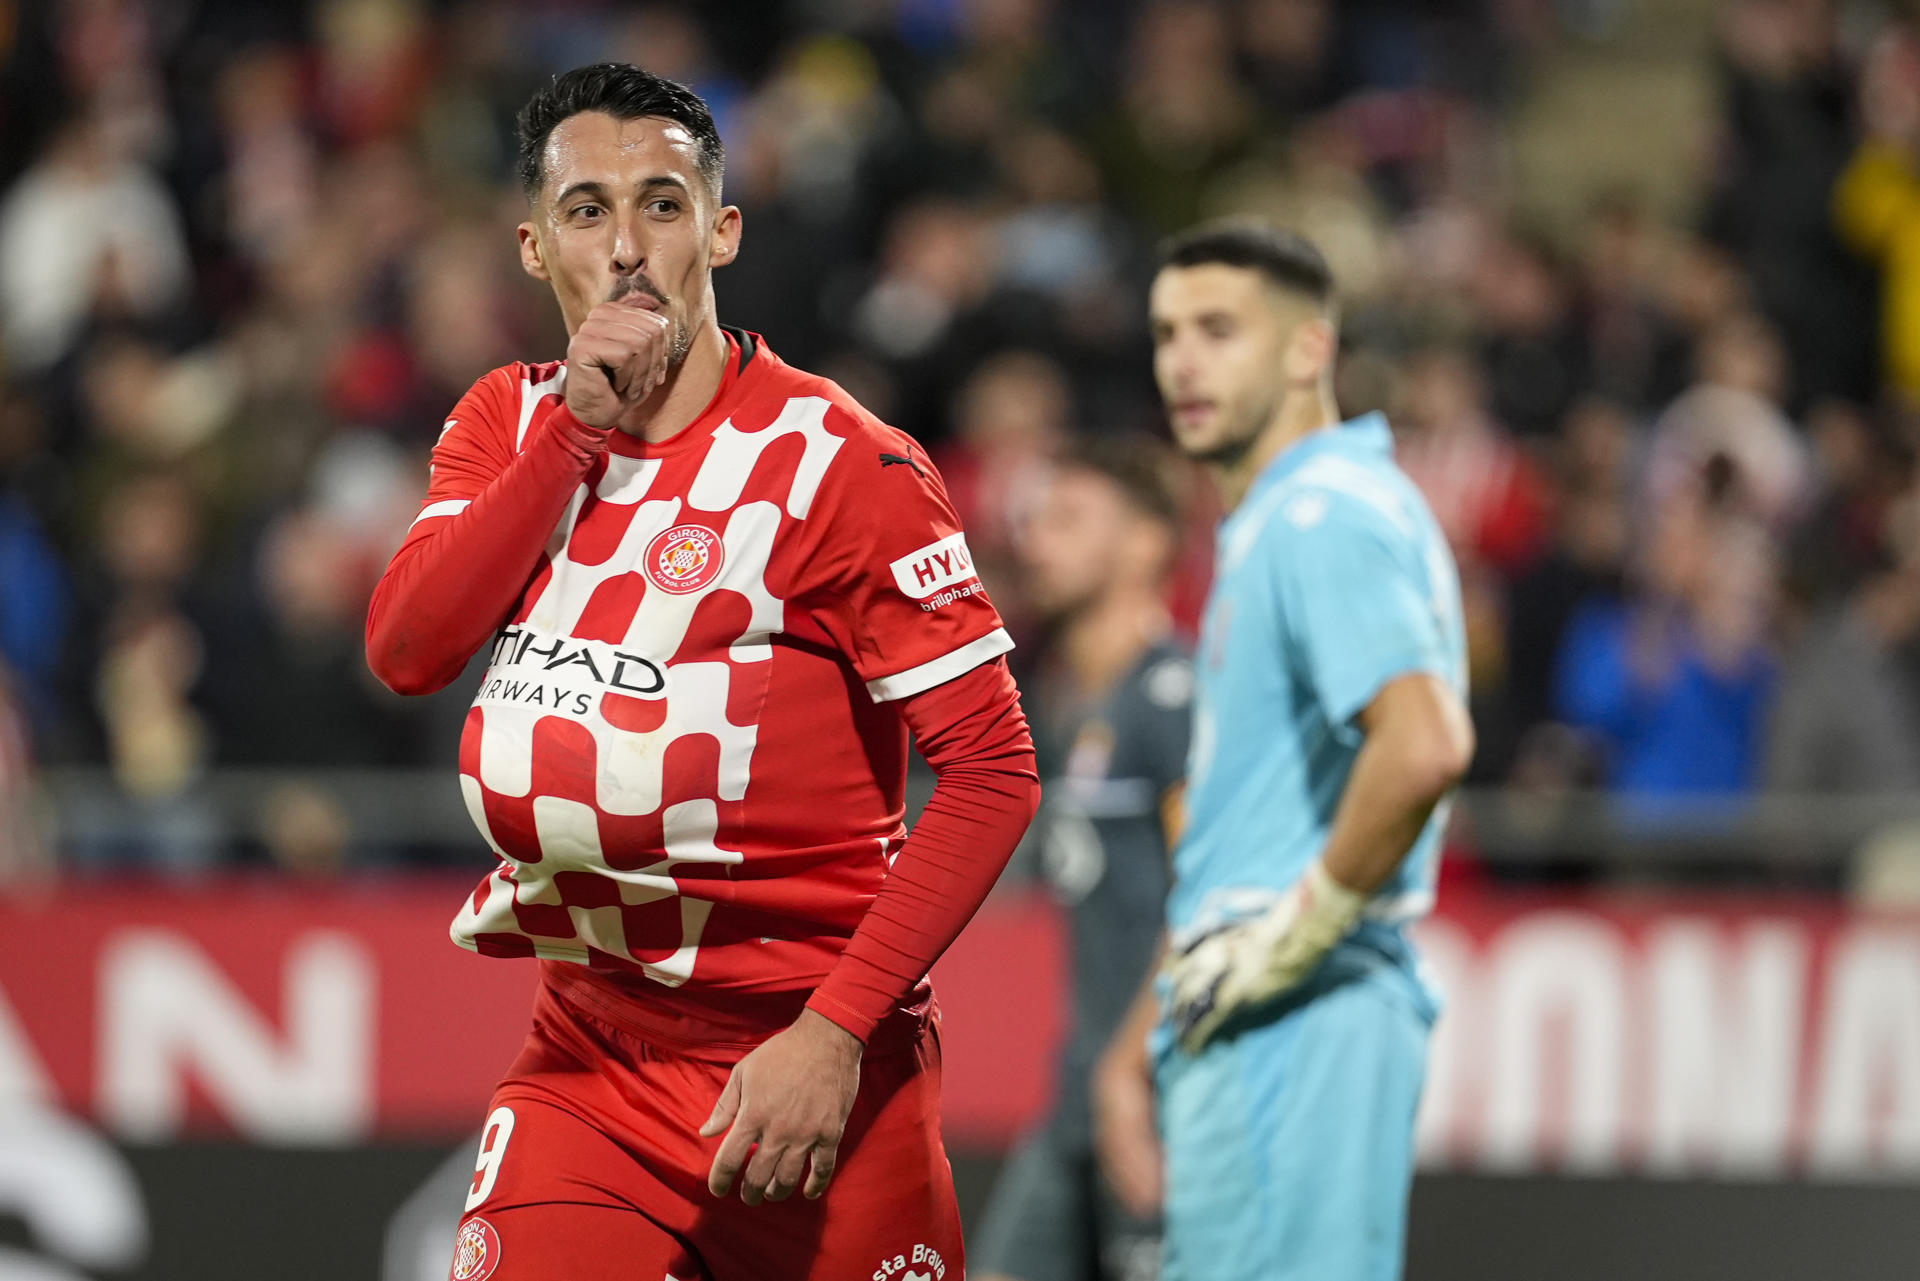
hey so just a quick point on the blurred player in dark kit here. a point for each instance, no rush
(1111, 716)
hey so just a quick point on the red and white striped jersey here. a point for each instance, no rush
(682, 749)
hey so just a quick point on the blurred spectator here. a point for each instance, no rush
(271, 181)
(294, 688)
(1788, 106)
(23, 849)
(305, 830)
(1861, 473)
(1182, 116)
(1583, 565)
(1535, 355)
(1011, 418)
(1483, 489)
(156, 739)
(1730, 423)
(1848, 718)
(142, 653)
(1675, 682)
(373, 64)
(922, 316)
(1287, 48)
(1637, 345)
(85, 232)
(33, 612)
(1059, 238)
(1877, 202)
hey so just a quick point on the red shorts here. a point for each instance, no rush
(592, 1168)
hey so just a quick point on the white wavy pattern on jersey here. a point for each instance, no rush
(630, 779)
(531, 394)
(723, 476)
(626, 480)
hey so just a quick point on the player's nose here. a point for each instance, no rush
(629, 249)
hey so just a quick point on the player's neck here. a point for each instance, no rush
(1298, 416)
(1106, 640)
(684, 394)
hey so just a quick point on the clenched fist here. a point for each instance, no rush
(617, 356)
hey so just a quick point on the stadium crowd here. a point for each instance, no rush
(251, 254)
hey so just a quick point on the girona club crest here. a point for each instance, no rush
(476, 1251)
(685, 558)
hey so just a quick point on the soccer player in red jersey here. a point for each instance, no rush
(718, 595)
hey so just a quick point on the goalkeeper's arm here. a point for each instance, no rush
(1418, 743)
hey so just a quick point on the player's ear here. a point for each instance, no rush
(532, 258)
(725, 245)
(1311, 350)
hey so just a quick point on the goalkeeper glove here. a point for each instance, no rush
(1237, 967)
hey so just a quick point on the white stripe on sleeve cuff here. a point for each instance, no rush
(447, 507)
(942, 669)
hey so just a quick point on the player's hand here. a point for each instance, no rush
(1124, 1132)
(617, 356)
(1233, 969)
(790, 1097)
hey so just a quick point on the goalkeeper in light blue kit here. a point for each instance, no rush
(1284, 1043)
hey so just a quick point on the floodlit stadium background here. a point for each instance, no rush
(1638, 281)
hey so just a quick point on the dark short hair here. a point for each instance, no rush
(1140, 466)
(1286, 258)
(624, 92)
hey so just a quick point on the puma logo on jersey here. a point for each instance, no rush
(894, 460)
(922, 573)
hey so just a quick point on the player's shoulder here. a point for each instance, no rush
(871, 446)
(522, 374)
(497, 395)
(857, 424)
(1337, 496)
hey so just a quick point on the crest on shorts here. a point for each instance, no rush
(476, 1251)
(685, 558)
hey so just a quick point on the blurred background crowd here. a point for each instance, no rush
(1638, 284)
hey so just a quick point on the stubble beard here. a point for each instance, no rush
(1238, 441)
(682, 341)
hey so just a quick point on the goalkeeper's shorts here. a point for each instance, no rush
(1290, 1144)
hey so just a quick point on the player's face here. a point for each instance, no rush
(1226, 348)
(1072, 543)
(624, 209)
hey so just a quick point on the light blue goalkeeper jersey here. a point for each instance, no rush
(1331, 578)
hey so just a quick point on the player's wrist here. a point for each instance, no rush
(1318, 913)
(1328, 908)
(577, 432)
(830, 1033)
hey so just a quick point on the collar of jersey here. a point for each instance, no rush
(1368, 433)
(731, 373)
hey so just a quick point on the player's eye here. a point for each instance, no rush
(1218, 327)
(587, 212)
(664, 206)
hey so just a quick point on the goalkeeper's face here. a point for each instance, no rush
(1226, 350)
